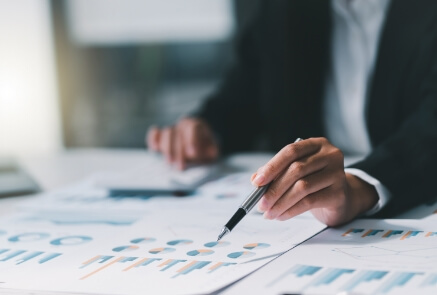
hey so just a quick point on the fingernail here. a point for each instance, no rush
(258, 180)
(268, 215)
(280, 218)
(262, 205)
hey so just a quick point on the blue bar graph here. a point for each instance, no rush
(170, 263)
(298, 271)
(128, 259)
(411, 233)
(372, 232)
(147, 261)
(353, 231)
(12, 255)
(397, 280)
(28, 257)
(48, 257)
(329, 276)
(430, 281)
(191, 266)
(219, 265)
(391, 233)
(362, 277)
(98, 259)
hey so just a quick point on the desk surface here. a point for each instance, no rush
(55, 171)
(59, 170)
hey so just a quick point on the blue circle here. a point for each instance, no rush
(142, 240)
(217, 244)
(179, 242)
(242, 254)
(28, 237)
(71, 241)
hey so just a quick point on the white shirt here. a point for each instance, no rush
(357, 26)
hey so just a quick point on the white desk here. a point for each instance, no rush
(67, 167)
(58, 170)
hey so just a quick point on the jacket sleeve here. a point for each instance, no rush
(406, 162)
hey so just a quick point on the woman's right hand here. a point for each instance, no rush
(189, 141)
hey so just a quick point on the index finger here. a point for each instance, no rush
(153, 138)
(284, 158)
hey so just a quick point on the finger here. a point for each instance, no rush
(193, 141)
(211, 151)
(284, 157)
(297, 170)
(202, 146)
(179, 148)
(252, 177)
(301, 189)
(320, 199)
(153, 137)
(166, 144)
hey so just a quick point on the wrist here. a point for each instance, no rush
(362, 194)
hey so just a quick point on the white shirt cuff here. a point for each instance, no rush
(383, 193)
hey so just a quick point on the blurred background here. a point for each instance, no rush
(98, 73)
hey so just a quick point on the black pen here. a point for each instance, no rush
(245, 207)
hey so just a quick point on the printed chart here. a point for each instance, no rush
(170, 251)
(369, 257)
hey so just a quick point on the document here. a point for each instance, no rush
(364, 257)
(79, 240)
(152, 176)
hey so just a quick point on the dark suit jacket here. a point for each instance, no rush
(276, 87)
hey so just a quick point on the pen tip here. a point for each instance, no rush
(223, 233)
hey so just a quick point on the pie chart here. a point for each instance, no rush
(142, 240)
(256, 246)
(162, 250)
(179, 242)
(125, 248)
(217, 244)
(242, 254)
(200, 252)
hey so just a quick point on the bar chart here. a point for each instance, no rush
(395, 281)
(312, 278)
(380, 233)
(18, 257)
(173, 267)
